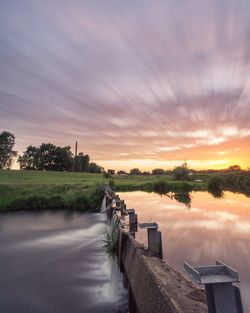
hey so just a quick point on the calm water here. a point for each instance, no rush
(201, 231)
(54, 263)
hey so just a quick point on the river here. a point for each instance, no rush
(199, 228)
(53, 262)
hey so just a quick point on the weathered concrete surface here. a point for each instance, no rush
(157, 288)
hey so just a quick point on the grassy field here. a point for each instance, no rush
(84, 191)
(40, 190)
(155, 183)
(19, 178)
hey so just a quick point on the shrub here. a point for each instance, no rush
(158, 171)
(214, 183)
(161, 187)
(181, 172)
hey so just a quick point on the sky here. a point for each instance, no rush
(138, 83)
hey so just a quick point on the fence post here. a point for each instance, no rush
(154, 238)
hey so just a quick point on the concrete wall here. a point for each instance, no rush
(156, 287)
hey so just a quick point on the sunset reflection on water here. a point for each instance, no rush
(200, 232)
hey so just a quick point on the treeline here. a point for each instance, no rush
(181, 171)
(46, 157)
(237, 182)
(49, 157)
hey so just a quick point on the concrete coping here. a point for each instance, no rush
(152, 225)
(130, 211)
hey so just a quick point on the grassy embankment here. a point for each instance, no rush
(83, 191)
(79, 191)
(157, 183)
(44, 190)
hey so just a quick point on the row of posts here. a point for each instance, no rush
(114, 203)
(223, 295)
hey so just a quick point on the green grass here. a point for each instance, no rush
(110, 244)
(82, 191)
(155, 183)
(48, 178)
(44, 190)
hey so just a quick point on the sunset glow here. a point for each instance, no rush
(137, 83)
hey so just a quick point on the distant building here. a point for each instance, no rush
(111, 172)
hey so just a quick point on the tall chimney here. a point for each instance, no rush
(76, 150)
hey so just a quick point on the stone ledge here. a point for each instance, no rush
(157, 287)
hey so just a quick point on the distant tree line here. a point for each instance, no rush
(181, 172)
(55, 158)
(47, 157)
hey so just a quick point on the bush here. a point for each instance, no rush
(214, 183)
(158, 171)
(135, 171)
(161, 187)
(181, 172)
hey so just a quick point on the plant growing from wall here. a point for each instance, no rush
(110, 243)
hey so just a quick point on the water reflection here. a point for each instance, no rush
(186, 197)
(181, 197)
(217, 193)
(199, 229)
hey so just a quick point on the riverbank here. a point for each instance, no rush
(27, 190)
(21, 190)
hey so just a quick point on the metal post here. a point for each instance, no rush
(222, 295)
(132, 221)
(132, 218)
(123, 207)
(154, 238)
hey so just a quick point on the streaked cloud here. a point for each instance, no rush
(130, 80)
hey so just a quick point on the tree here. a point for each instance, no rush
(158, 171)
(181, 172)
(121, 172)
(81, 163)
(62, 159)
(46, 157)
(234, 168)
(29, 160)
(111, 172)
(7, 142)
(135, 171)
(94, 168)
